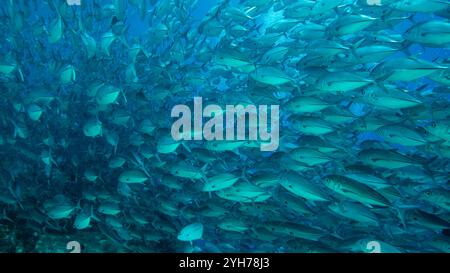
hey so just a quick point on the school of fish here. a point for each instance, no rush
(87, 155)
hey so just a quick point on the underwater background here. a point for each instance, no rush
(87, 156)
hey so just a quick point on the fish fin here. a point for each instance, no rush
(401, 215)
(186, 147)
(5, 217)
(13, 193)
(367, 205)
(158, 158)
(96, 218)
(358, 43)
(203, 169)
(19, 71)
(442, 2)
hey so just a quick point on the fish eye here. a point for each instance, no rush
(433, 124)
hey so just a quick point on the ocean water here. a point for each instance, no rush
(92, 160)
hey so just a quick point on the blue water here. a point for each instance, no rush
(61, 174)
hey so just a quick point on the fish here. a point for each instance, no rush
(427, 220)
(83, 219)
(92, 128)
(59, 207)
(437, 197)
(401, 135)
(132, 176)
(270, 75)
(244, 192)
(301, 104)
(434, 33)
(191, 232)
(116, 162)
(311, 126)
(342, 82)
(360, 97)
(350, 24)
(405, 69)
(219, 182)
(107, 94)
(295, 230)
(386, 159)
(355, 190)
(68, 75)
(34, 112)
(56, 30)
(389, 98)
(439, 128)
(233, 225)
(109, 208)
(421, 5)
(302, 187)
(309, 156)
